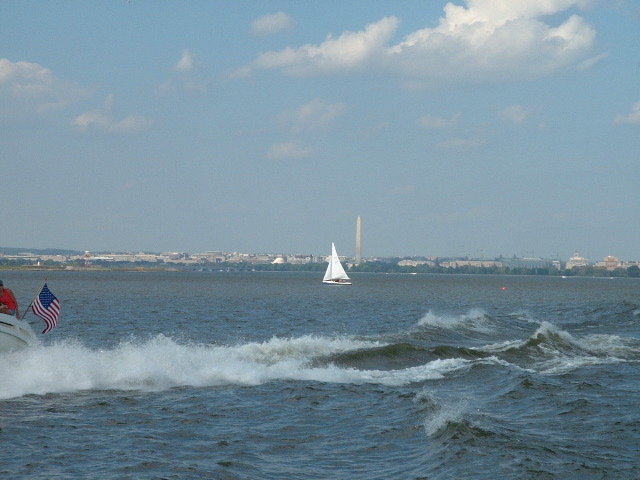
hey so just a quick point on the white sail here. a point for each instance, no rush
(335, 273)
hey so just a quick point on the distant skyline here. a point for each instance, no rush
(475, 127)
(20, 251)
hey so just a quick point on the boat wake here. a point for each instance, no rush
(162, 362)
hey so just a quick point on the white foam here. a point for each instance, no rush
(161, 363)
(588, 351)
(474, 319)
(612, 345)
(451, 413)
(503, 346)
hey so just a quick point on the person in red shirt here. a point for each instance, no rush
(8, 302)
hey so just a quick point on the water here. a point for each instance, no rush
(174, 375)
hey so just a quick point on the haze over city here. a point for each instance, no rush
(475, 127)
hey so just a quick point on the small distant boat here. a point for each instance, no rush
(15, 334)
(335, 274)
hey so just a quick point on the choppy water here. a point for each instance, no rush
(273, 375)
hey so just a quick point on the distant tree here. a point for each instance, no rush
(633, 271)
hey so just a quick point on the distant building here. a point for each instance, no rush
(527, 263)
(300, 259)
(471, 263)
(577, 261)
(415, 263)
(610, 263)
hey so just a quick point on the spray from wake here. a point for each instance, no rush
(161, 363)
(476, 319)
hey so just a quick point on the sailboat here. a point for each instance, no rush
(335, 274)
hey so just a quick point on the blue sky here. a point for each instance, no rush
(477, 127)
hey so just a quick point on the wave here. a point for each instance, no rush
(554, 351)
(161, 363)
(548, 350)
(385, 357)
(450, 420)
(476, 319)
(444, 419)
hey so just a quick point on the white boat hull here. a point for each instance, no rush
(332, 282)
(15, 334)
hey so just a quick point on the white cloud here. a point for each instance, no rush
(590, 62)
(186, 78)
(185, 63)
(514, 114)
(350, 51)
(632, 117)
(313, 115)
(430, 121)
(494, 40)
(27, 88)
(486, 40)
(288, 150)
(270, 24)
(101, 120)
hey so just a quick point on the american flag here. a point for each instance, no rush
(47, 307)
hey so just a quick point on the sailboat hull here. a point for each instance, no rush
(334, 282)
(15, 334)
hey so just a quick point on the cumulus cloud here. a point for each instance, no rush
(101, 120)
(288, 151)
(486, 40)
(313, 115)
(350, 51)
(27, 88)
(495, 39)
(632, 117)
(270, 24)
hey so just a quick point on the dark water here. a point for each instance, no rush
(273, 375)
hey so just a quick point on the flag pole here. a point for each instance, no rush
(34, 298)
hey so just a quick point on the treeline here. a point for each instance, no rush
(370, 267)
(384, 267)
(9, 263)
(590, 271)
(39, 251)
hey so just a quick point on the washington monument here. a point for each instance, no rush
(358, 240)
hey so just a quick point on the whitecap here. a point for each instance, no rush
(475, 319)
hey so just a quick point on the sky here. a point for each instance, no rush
(466, 128)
